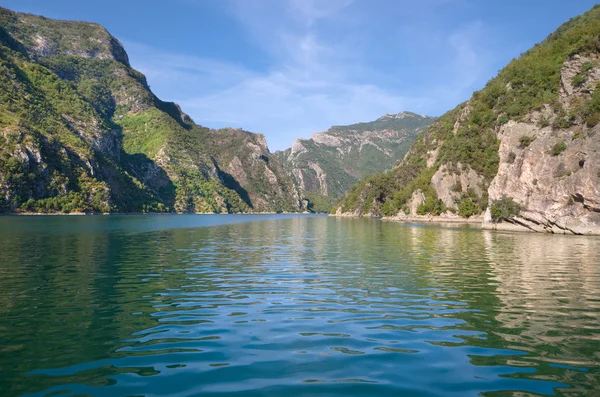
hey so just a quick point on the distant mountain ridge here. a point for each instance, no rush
(328, 163)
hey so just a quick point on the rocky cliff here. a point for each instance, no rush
(522, 153)
(248, 167)
(330, 162)
(81, 131)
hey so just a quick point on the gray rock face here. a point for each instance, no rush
(572, 89)
(556, 178)
(557, 193)
(450, 182)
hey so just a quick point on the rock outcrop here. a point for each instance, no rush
(553, 173)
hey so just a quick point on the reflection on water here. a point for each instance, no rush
(304, 306)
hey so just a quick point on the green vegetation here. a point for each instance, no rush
(504, 209)
(146, 132)
(578, 80)
(591, 111)
(581, 77)
(471, 203)
(525, 141)
(558, 148)
(267, 187)
(511, 157)
(431, 206)
(409, 121)
(318, 203)
(40, 116)
(196, 194)
(467, 207)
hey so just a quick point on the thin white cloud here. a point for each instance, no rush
(309, 11)
(319, 73)
(468, 60)
(166, 67)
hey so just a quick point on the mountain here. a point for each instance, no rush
(81, 131)
(329, 163)
(523, 153)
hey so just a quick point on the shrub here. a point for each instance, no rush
(578, 80)
(586, 67)
(511, 157)
(592, 119)
(457, 187)
(558, 148)
(525, 141)
(504, 209)
(471, 203)
(431, 206)
(388, 208)
(503, 119)
(318, 203)
(467, 207)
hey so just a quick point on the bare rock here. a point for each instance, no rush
(450, 183)
(558, 193)
(578, 79)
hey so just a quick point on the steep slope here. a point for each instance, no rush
(330, 162)
(524, 150)
(81, 131)
(250, 169)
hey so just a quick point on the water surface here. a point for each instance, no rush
(293, 305)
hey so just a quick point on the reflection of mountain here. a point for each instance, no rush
(548, 289)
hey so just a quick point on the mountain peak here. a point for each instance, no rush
(45, 37)
(402, 115)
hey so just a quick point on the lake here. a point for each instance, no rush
(293, 305)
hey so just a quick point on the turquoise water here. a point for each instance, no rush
(276, 305)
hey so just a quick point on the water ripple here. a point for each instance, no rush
(302, 306)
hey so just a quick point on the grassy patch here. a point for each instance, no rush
(558, 148)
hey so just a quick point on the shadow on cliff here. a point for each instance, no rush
(156, 184)
(231, 183)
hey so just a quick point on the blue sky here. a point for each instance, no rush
(289, 68)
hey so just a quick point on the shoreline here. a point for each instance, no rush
(477, 222)
(153, 213)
